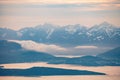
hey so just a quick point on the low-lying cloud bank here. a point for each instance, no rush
(86, 47)
(40, 47)
(63, 51)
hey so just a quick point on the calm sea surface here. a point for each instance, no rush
(113, 72)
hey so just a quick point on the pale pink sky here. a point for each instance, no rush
(17, 14)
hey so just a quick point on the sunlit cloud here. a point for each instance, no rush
(62, 51)
(86, 47)
(31, 45)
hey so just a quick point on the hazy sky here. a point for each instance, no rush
(16, 14)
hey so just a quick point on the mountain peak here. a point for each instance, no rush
(104, 26)
(105, 23)
(47, 24)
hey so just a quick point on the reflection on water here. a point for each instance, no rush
(63, 78)
(113, 73)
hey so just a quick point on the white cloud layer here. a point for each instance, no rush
(31, 45)
(62, 51)
(86, 47)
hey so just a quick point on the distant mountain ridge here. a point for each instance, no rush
(113, 54)
(109, 58)
(104, 33)
(11, 52)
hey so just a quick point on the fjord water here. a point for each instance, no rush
(113, 72)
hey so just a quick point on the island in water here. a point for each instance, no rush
(45, 71)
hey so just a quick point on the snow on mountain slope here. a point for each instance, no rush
(106, 28)
(69, 34)
(49, 32)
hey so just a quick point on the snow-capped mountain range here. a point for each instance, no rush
(103, 33)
